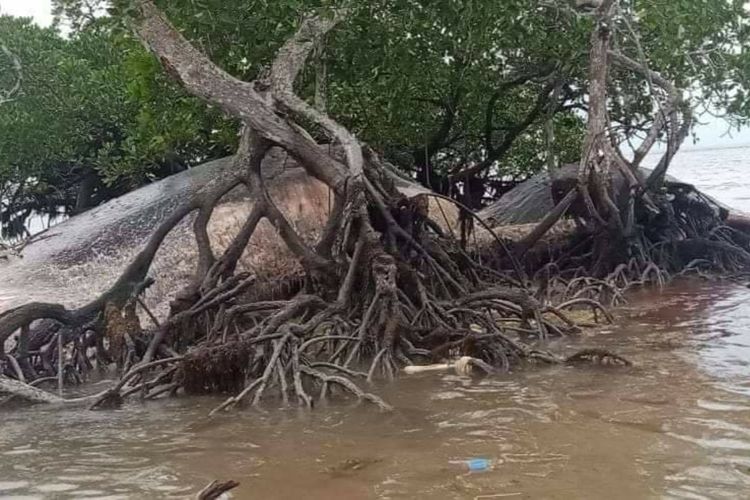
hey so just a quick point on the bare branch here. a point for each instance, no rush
(661, 120)
(290, 61)
(497, 152)
(545, 224)
(9, 94)
(667, 119)
(657, 78)
(651, 137)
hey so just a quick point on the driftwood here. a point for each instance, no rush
(464, 365)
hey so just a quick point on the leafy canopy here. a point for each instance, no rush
(94, 117)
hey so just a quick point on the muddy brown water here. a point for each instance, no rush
(677, 425)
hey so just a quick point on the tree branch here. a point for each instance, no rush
(290, 61)
(489, 126)
(545, 224)
(510, 136)
(439, 138)
(628, 63)
(201, 77)
(666, 119)
(9, 94)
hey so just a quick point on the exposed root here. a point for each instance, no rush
(347, 385)
(215, 369)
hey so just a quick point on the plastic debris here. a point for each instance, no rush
(476, 464)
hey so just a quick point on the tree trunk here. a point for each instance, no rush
(84, 197)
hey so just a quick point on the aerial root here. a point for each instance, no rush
(347, 385)
(313, 345)
(134, 381)
(287, 371)
(306, 349)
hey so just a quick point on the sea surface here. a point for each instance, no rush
(722, 173)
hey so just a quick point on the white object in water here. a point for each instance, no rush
(462, 366)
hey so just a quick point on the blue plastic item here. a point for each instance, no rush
(478, 464)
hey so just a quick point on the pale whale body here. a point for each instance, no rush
(79, 258)
(74, 261)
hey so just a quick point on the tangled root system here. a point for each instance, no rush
(219, 369)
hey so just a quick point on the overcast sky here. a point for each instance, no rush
(711, 134)
(40, 10)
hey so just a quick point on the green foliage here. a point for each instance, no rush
(412, 78)
(95, 117)
(699, 45)
(437, 85)
(416, 78)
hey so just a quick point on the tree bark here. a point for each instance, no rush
(239, 99)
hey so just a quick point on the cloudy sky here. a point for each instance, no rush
(40, 10)
(712, 133)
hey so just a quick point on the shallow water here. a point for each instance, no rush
(677, 425)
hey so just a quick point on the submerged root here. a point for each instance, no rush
(216, 489)
(600, 357)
